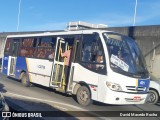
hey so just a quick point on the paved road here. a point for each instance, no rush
(44, 99)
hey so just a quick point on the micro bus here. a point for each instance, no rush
(104, 66)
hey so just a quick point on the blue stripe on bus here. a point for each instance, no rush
(21, 65)
(5, 64)
(144, 83)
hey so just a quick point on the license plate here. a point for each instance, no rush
(137, 98)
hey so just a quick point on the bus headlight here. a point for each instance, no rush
(113, 86)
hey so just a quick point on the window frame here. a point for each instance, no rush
(45, 48)
(102, 71)
(25, 47)
(7, 52)
(17, 41)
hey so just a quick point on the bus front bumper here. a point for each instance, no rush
(125, 98)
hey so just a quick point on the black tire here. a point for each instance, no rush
(24, 79)
(83, 96)
(152, 97)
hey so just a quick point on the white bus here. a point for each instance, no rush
(105, 66)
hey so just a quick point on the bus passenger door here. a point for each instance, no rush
(12, 57)
(57, 76)
(74, 56)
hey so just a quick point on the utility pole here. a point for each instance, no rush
(135, 10)
(19, 11)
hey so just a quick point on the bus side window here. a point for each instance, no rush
(46, 48)
(28, 47)
(41, 53)
(92, 55)
(86, 53)
(7, 46)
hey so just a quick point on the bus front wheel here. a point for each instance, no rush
(83, 96)
(152, 97)
(24, 79)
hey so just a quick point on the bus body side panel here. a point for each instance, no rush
(21, 65)
(87, 76)
(102, 88)
(39, 71)
(5, 64)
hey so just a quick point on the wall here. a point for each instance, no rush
(2, 42)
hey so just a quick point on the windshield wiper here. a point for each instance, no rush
(144, 73)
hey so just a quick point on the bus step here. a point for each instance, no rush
(11, 75)
(60, 90)
(55, 86)
(55, 83)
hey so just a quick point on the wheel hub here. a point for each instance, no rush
(152, 97)
(83, 95)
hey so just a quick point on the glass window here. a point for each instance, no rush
(119, 53)
(41, 53)
(45, 53)
(47, 42)
(92, 55)
(28, 47)
(7, 46)
(14, 47)
(50, 53)
(46, 48)
(27, 52)
(125, 56)
(29, 42)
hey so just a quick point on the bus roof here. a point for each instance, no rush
(57, 33)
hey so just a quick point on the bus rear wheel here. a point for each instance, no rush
(24, 79)
(83, 96)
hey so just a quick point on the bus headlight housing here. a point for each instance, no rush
(113, 86)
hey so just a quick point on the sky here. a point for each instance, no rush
(42, 15)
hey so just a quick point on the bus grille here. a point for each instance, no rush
(136, 88)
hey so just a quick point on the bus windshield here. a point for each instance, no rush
(125, 56)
